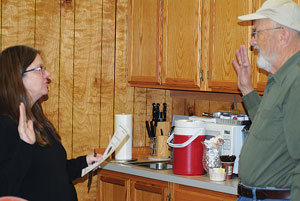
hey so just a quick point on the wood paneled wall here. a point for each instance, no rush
(84, 47)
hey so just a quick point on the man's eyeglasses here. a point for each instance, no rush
(42, 69)
(254, 31)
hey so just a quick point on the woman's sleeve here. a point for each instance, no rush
(74, 167)
(15, 159)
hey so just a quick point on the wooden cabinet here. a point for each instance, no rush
(224, 35)
(189, 45)
(144, 37)
(260, 76)
(165, 44)
(186, 193)
(114, 186)
(182, 44)
(148, 189)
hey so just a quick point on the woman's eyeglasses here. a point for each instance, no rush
(42, 69)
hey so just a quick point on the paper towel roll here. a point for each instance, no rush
(124, 151)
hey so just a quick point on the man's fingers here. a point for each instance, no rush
(239, 57)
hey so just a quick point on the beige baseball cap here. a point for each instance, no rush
(284, 12)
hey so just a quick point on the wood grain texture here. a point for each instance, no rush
(66, 78)
(47, 40)
(154, 96)
(87, 69)
(144, 36)
(189, 107)
(169, 106)
(123, 94)
(205, 25)
(201, 106)
(18, 23)
(178, 106)
(224, 41)
(139, 117)
(85, 45)
(260, 76)
(107, 72)
(187, 193)
(181, 43)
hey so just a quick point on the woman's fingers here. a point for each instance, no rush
(30, 132)
(25, 128)
(22, 119)
(91, 158)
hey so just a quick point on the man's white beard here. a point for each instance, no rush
(262, 62)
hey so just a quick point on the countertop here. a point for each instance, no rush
(199, 181)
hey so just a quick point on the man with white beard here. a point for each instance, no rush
(269, 167)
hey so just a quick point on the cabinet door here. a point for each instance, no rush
(112, 187)
(226, 34)
(181, 44)
(148, 190)
(144, 37)
(260, 75)
(186, 193)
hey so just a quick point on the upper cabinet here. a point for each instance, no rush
(260, 76)
(182, 44)
(225, 35)
(144, 38)
(165, 44)
(189, 45)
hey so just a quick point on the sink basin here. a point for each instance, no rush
(156, 165)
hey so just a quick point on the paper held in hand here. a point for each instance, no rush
(120, 135)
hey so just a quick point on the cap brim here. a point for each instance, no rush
(253, 16)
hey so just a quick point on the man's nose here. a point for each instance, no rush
(253, 41)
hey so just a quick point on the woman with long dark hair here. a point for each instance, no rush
(33, 162)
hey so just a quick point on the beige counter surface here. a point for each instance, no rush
(199, 181)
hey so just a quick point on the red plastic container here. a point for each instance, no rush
(188, 160)
(187, 156)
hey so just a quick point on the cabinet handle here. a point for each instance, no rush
(201, 76)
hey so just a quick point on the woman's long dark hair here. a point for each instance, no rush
(13, 63)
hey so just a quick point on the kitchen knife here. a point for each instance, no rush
(91, 174)
(153, 111)
(157, 113)
(153, 128)
(164, 111)
(148, 129)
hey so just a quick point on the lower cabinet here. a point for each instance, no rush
(114, 186)
(143, 189)
(187, 193)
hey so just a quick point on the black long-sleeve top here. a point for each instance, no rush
(33, 172)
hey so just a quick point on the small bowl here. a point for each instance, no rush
(216, 175)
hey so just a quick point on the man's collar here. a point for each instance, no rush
(282, 72)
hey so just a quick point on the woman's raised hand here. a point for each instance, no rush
(25, 127)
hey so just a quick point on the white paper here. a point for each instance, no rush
(120, 134)
(124, 151)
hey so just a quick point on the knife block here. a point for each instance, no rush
(159, 149)
(164, 126)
